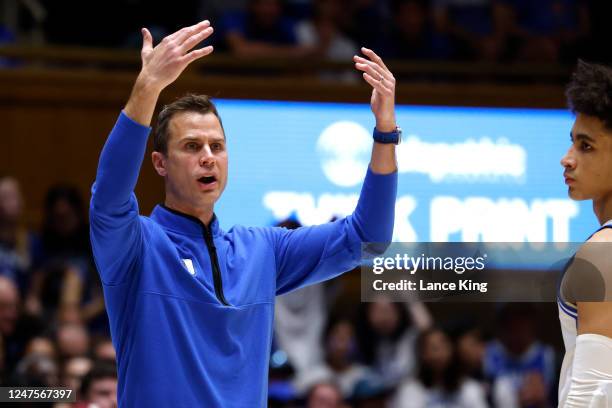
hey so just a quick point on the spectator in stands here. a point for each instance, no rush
(9, 306)
(65, 233)
(15, 241)
(73, 372)
(65, 285)
(412, 35)
(324, 31)
(9, 313)
(341, 356)
(518, 356)
(324, 395)
(16, 328)
(99, 386)
(471, 348)
(387, 338)
(341, 366)
(72, 340)
(37, 370)
(41, 345)
(299, 324)
(545, 30)
(261, 31)
(103, 349)
(439, 382)
(56, 292)
(471, 27)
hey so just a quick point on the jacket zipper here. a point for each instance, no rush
(216, 271)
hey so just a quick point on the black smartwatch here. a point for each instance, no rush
(393, 137)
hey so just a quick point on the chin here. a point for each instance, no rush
(577, 195)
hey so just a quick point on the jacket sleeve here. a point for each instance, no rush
(115, 229)
(310, 255)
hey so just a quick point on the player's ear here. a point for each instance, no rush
(159, 163)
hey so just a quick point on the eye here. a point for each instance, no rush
(191, 146)
(216, 146)
(585, 147)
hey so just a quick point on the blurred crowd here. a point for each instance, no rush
(54, 332)
(466, 30)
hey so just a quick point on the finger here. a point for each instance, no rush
(373, 71)
(147, 40)
(374, 57)
(199, 53)
(376, 84)
(185, 32)
(195, 39)
(385, 72)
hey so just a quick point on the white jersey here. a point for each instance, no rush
(568, 317)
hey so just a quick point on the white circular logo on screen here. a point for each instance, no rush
(344, 148)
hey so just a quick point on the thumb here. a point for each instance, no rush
(147, 40)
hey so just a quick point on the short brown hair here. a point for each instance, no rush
(188, 103)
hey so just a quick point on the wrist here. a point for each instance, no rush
(145, 84)
(388, 125)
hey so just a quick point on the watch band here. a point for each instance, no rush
(394, 137)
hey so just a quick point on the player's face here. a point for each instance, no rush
(195, 166)
(588, 162)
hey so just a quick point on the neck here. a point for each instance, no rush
(204, 214)
(602, 208)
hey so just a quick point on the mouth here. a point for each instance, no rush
(569, 180)
(207, 179)
(207, 182)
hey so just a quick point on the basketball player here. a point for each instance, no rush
(584, 308)
(190, 305)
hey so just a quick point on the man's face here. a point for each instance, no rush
(10, 199)
(588, 162)
(195, 166)
(103, 393)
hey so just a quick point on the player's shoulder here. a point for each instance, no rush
(597, 251)
(603, 235)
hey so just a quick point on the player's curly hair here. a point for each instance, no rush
(188, 103)
(590, 91)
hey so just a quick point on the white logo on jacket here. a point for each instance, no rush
(189, 265)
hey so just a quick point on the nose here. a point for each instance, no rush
(207, 159)
(568, 161)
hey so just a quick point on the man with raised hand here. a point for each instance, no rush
(190, 305)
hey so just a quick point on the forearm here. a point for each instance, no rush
(591, 383)
(383, 160)
(141, 105)
(374, 215)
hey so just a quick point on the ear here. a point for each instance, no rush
(159, 163)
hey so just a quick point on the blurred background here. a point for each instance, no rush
(482, 80)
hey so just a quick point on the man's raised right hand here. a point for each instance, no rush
(162, 65)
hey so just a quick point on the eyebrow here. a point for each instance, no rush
(582, 136)
(195, 139)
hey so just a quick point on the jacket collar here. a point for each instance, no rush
(183, 223)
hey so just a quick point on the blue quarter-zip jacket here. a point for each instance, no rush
(191, 307)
